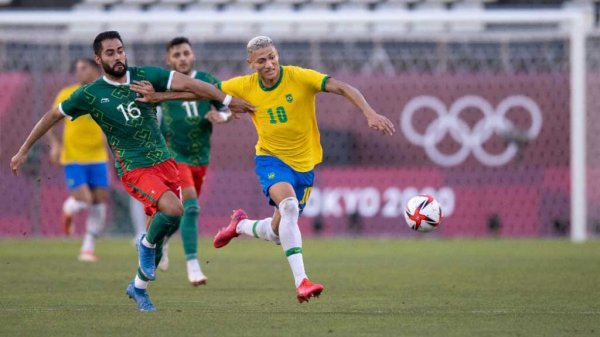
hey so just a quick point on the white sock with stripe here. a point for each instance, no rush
(291, 238)
(260, 229)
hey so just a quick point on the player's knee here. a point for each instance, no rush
(289, 206)
(169, 204)
(85, 198)
(173, 209)
(99, 197)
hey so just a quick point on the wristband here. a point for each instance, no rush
(227, 100)
(224, 115)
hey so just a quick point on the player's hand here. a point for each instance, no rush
(17, 161)
(238, 105)
(54, 154)
(145, 89)
(380, 123)
(218, 117)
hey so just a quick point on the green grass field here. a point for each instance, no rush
(373, 288)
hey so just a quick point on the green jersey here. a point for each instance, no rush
(185, 127)
(131, 127)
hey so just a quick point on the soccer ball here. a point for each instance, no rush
(423, 213)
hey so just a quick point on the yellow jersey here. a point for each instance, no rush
(82, 138)
(285, 117)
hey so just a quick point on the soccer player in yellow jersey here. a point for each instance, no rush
(83, 154)
(288, 146)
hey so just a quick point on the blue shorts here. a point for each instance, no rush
(271, 170)
(93, 175)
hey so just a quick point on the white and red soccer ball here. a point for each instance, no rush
(423, 213)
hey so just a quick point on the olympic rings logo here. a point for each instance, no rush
(471, 140)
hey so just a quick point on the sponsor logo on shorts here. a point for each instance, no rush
(271, 175)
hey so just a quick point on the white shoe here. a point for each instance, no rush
(87, 256)
(164, 260)
(195, 274)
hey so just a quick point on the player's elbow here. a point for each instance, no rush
(55, 114)
(190, 85)
(183, 83)
(342, 88)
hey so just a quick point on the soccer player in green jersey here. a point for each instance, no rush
(142, 160)
(187, 128)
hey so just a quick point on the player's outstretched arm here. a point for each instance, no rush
(376, 121)
(188, 89)
(206, 91)
(148, 95)
(48, 120)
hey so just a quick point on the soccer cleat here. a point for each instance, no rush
(87, 256)
(146, 259)
(164, 260)
(140, 297)
(307, 289)
(225, 234)
(195, 274)
(68, 226)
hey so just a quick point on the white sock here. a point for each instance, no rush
(94, 226)
(138, 217)
(139, 283)
(261, 229)
(72, 206)
(148, 244)
(89, 243)
(193, 265)
(297, 263)
(291, 239)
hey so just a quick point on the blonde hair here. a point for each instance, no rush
(258, 42)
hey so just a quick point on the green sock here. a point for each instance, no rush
(161, 226)
(189, 228)
(159, 253)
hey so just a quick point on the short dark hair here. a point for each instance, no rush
(108, 35)
(87, 60)
(177, 41)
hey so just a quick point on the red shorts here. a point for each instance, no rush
(147, 184)
(192, 176)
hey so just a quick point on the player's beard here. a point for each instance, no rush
(111, 70)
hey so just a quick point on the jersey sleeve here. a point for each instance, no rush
(311, 78)
(78, 104)
(160, 78)
(233, 87)
(212, 79)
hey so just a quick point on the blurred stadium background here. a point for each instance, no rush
(483, 108)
